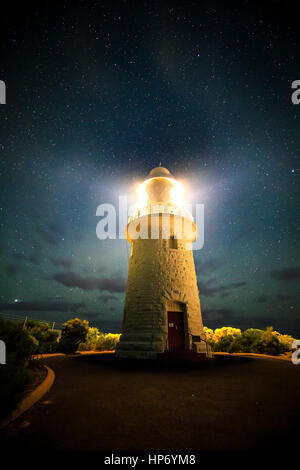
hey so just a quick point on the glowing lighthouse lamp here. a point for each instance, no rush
(162, 308)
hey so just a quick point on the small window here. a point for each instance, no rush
(173, 243)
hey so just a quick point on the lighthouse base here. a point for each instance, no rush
(141, 346)
(156, 346)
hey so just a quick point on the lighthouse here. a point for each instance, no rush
(162, 308)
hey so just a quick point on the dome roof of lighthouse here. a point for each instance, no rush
(160, 171)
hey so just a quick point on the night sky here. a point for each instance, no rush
(99, 93)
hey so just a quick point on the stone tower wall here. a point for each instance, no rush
(159, 279)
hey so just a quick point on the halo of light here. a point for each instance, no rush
(176, 192)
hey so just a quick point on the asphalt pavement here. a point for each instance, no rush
(100, 402)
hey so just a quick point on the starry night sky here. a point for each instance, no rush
(99, 93)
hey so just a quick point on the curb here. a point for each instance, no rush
(42, 356)
(77, 353)
(259, 356)
(32, 398)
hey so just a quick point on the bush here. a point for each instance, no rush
(252, 340)
(91, 340)
(270, 343)
(47, 339)
(99, 341)
(285, 340)
(73, 333)
(226, 339)
(108, 342)
(20, 346)
(229, 343)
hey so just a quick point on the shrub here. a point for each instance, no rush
(91, 340)
(226, 339)
(285, 340)
(20, 345)
(229, 343)
(270, 343)
(252, 340)
(73, 333)
(108, 342)
(47, 339)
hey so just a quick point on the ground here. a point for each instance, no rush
(37, 374)
(100, 402)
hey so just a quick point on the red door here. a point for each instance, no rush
(175, 330)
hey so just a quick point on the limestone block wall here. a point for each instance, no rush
(158, 275)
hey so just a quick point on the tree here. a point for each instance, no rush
(225, 339)
(91, 340)
(286, 341)
(108, 342)
(47, 339)
(20, 345)
(270, 343)
(253, 340)
(73, 332)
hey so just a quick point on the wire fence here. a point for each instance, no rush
(54, 325)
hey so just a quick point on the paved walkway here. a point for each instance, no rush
(98, 402)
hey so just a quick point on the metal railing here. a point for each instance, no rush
(160, 209)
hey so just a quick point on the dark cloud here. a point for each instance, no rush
(42, 306)
(19, 257)
(62, 262)
(209, 266)
(12, 269)
(287, 274)
(262, 299)
(113, 285)
(47, 236)
(220, 314)
(110, 326)
(209, 288)
(92, 315)
(34, 258)
(282, 297)
(236, 285)
(53, 298)
(106, 298)
(224, 294)
(51, 234)
(56, 229)
(71, 279)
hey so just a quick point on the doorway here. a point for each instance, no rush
(176, 338)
